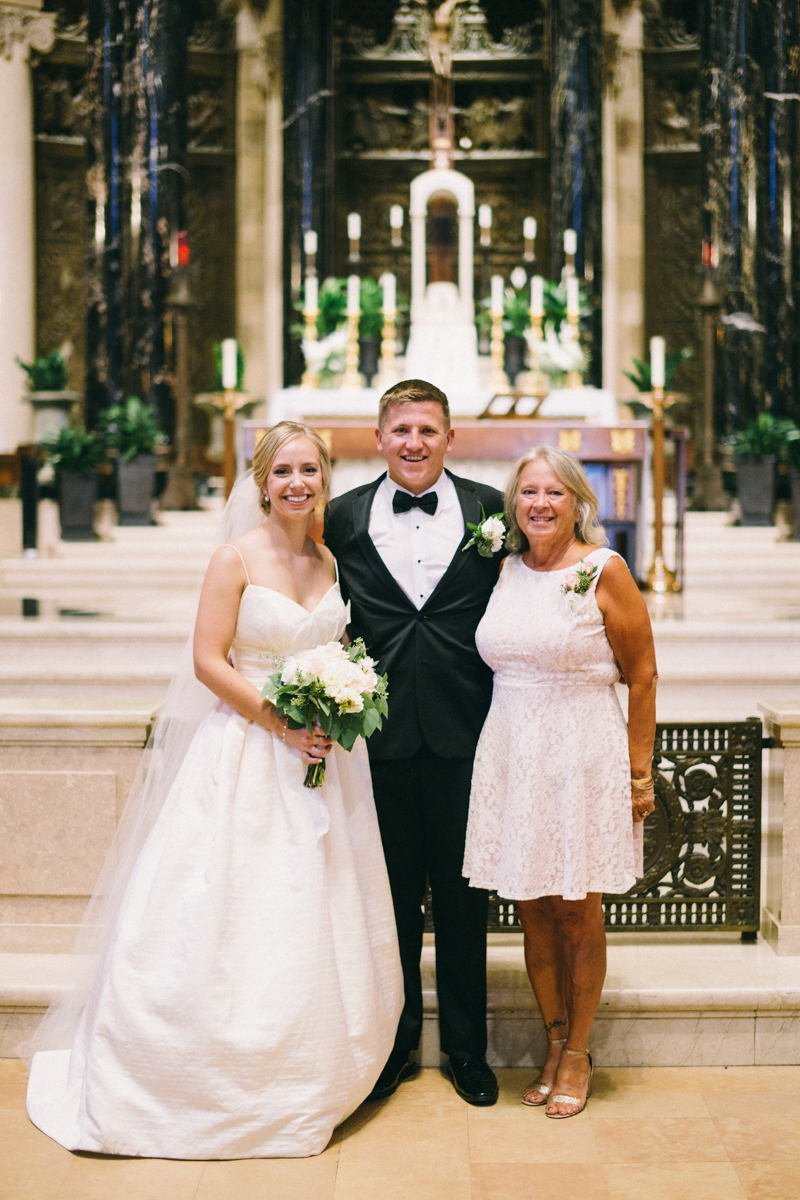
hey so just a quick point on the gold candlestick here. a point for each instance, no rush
(499, 377)
(387, 372)
(310, 375)
(230, 401)
(659, 578)
(574, 379)
(351, 377)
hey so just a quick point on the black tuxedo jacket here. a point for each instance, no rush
(439, 687)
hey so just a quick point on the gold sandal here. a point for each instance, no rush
(573, 1099)
(542, 1088)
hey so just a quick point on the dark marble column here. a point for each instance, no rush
(779, 201)
(156, 86)
(105, 152)
(308, 157)
(731, 99)
(576, 97)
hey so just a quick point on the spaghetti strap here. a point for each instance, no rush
(247, 577)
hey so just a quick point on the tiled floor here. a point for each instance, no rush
(664, 1133)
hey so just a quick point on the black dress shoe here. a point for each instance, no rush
(475, 1082)
(398, 1068)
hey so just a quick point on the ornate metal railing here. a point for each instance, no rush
(702, 845)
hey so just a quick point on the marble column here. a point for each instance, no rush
(576, 97)
(22, 26)
(779, 209)
(259, 170)
(308, 157)
(731, 98)
(105, 38)
(623, 198)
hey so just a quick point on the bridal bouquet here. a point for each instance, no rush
(333, 686)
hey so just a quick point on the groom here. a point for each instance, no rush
(416, 599)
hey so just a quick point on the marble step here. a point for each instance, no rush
(676, 1000)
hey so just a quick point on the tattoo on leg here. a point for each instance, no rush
(551, 1025)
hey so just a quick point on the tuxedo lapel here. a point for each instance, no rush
(362, 505)
(471, 510)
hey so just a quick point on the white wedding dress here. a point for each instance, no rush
(249, 994)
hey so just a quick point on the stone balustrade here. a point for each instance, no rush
(780, 923)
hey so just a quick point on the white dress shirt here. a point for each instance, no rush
(416, 547)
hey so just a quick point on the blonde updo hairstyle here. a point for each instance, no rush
(588, 529)
(273, 442)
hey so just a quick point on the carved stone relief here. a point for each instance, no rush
(470, 38)
(20, 26)
(672, 110)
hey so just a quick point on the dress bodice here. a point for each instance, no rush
(271, 624)
(532, 633)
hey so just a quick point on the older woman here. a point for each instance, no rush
(560, 786)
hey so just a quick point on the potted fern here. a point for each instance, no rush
(132, 435)
(48, 393)
(756, 448)
(74, 454)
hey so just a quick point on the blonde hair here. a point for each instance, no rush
(414, 391)
(571, 473)
(273, 441)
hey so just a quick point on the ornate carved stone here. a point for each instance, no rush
(470, 38)
(21, 26)
(667, 30)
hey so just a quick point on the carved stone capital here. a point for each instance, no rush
(25, 25)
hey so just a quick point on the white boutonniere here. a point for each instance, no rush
(577, 584)
(488, 535)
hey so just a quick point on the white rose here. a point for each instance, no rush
(494, 529)
(289, 670)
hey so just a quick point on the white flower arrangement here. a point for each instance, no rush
(488, 535)
(328, 354)
(576, 585)
(556, 353)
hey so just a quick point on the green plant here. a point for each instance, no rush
(371, 322)
(516, 309)
(131, 428)
(47, 373)
(790, 450)
(763, 437)
(640, 376)
(216, 351)
(333, 308)
(77, 450)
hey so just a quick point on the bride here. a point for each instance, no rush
(241, 985)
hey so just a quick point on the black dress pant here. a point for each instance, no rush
(422, 804)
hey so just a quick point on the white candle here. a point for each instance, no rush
(657, 363)
(498, 295)
(353, 226)
(485, 216)
(389, 284)
(353, 296)
(573, 297)
(396, 216)
(537, 296)
(230, 366)
(312, 296)
(570, 241)
(310, 241)
(529, 228)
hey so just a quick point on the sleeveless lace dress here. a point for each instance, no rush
(550, 809)
(250, 992)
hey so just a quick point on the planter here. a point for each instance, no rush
(51, 411)
(794, 481)
(77, 495)
(369, 353)
(755, 487)
(135, 487)
(514, 357)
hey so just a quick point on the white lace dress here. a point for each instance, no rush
(250, 992)
(550, 810)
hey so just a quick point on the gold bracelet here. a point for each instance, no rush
(644, 784)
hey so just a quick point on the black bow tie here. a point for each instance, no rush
(403, 502)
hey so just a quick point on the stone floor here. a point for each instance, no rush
(710, 1133)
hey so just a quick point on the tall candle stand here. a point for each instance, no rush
(659, 579)
(351, 377)
(387, 374)
(310, 375)
(574, 379)
(500, 383)
(230, 401)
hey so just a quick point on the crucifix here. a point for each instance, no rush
(441, 107)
